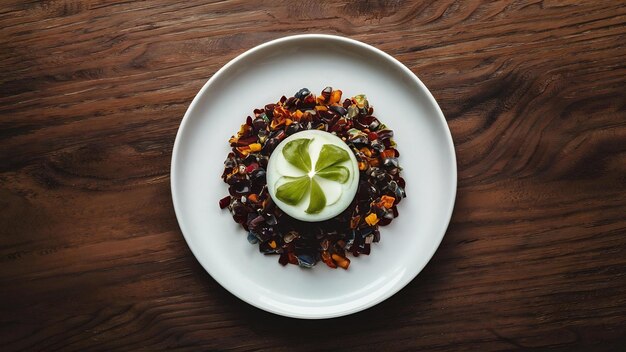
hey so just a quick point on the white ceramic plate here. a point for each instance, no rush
(262, 75)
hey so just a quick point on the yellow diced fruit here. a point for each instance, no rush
(387, 201)
(335, 96)
(341, 261)
(255, 147)
(244, 150)
(272, 244)
(371, 219)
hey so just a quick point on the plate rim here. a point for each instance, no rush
(441, 119)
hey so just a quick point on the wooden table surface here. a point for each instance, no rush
(92, 94)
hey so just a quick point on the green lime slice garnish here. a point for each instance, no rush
(335, 173)
(318, 199)
(329, 156)
(297, 153)
(293, 191)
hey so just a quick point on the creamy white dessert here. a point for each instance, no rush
(312, 176)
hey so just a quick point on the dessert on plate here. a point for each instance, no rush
(312, 178)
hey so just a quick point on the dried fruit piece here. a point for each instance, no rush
(361, 101)
(341, 261)
(328, 260)
(224, 202)
(387, 201)
(306, 260)
(255, 147)
(335, 97)
(371, 219)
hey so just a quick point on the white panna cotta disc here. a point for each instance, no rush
(338, 191)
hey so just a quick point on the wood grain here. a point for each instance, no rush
(91, 96)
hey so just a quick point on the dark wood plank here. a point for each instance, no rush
(91, 95)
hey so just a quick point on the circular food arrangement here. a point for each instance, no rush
(312, 178)
(312, 175)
